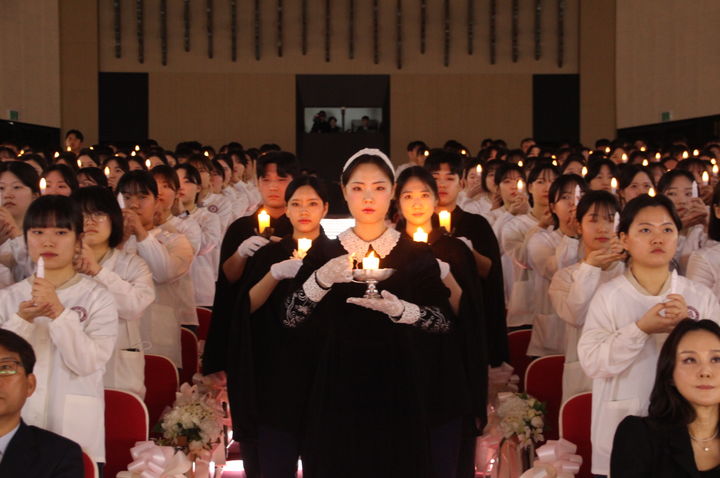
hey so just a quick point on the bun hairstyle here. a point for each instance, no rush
(53, 211)
(367, 156)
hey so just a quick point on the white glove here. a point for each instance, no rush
(286, 269)
(467, 242)
(444, 268)
(335, 270)
(389, 304)
(250, 246)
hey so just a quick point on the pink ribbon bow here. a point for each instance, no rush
(556, 458)
(153, 461)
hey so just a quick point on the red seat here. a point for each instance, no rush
(126, 422)
(518, 342)
(91, 469)
(161, 381)
(575, 418)
(189, 344)
(543, 380)
(204, 317)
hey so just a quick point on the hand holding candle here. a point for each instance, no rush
(263, 221)
(420, 235)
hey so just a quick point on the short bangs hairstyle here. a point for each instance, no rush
(24, 172)
(317, 184)
(559, 185)
(286, 164)
(120, 161)
(643, 201)
(490, 167)
(628, 173)
(666, 402)
(53, 211)
(367, 159)
(667, 179)
(438, 157)
(168, 174)
(94, 199)
(96, 175)
(596, 200)
(505, 169)
(595, 167)
(417, 172)
(68, 175)
(191, 172)
(138, 182)
(90, 154)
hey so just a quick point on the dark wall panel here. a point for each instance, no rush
(123, 105)
(556, 108)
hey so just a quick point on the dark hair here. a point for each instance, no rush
(311, 181)
(666, 402)
(138, 181)
(286, 163)
(99, 199)
(415, 172)
(200, 159)
(217, 168)
(537, 171)
(53, 211)
(67, 174)
(367, 159)
(69, 159)
(667, 179)
(470, 164)
(595, 167)
(12, 342)
(628, 173)
(168, 174)
(138, 160)
(121, 162)
(42, 162)
(596, 198)
(77, 134)
(573, 158)
(416, 144)
(505, 169)
(438, 157)
(558, 186)
(96, 175)
(714, 226)
(643, 201)
(239, 154)
(489, 167)
(191, 172)
(25, 173)
(90, 154)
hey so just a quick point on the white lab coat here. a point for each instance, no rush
(238, 201)
(480, 205)
(695, 239)
(169, 255)
(129, 280)
(71, 353)
(188, 227)
(250, 191)
(621, 359)
(204, 268)
(704, 268)
(14, 255)
(547, 251)
(571, 290)
(220, 206)
(513, 245)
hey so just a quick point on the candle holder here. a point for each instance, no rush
(371, 277)
(267, 232)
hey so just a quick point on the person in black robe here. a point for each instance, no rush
(272, 363)
(416, 195)
(369, 411)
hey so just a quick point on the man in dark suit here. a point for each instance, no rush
(27, 450)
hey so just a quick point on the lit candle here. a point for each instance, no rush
(713, 161)
(584, 171)
(56, 155)
(685, 155)
(463, 152)
(371, 261)
(554, 162)
(40, 272)
(616, 221)
(68, 148)
(206, 153)
(578, 194)
(79, 163)
(520, 185)
(420, 235)
(137, 147)
(43, 185)
(520, 163)
(444, 217)
(91, 148)
(645, 162)
(22, 151)
(148, 163)
(607, 149)
(705, 178)
(651, 192)
(695, 192)
(133, 153)
(107, 171)
(658, 156)
(121, 201)
(613, 185)
(715, 169)
(624, 157)
(554, 157)
(263, 221)
(696, 152)
(426, 153)
(478, 169)
(304, 246)
(643, 148)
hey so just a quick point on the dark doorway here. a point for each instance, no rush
(556, 109)
(123, 105)
(39, 138)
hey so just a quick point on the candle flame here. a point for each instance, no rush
(584, 171)
(56, 155)
(148, 163)
(137, 147)
(705, 177)
(651, 192)
(43, 185)
(658, 156)
(520, 184)
(478, 169)
(554, 162)
(79, 163)
(426, 153)
(463, 152)
(520, 163)
(715, 169)
(624, 157)
(645, 162)
(607, 149)
(107, 171)
(613, 183)
(642, 148)
(696, 152)
(206, 153)
(685, 155)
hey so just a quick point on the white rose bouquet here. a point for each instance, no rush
(521, 416)
(194, 423)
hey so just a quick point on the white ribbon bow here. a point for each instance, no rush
(556, 459)
(153, 461)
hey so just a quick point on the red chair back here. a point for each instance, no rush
(189, 344)
(91, 469)
(575, 417)
(161, 381)
(126, 422)
(518, 342)
(543, 380)
(204, 317)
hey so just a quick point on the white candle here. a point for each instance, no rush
(148, 163)
(616, 222)
(613, 185)
(584, 171)
(263, 221)
(651, 192)
(685, 155)
(624, 157)
(645, 162)
(715, 169)
(695, 192)
(107, 171)
(121, 201)
(420, 235)
(40, 272)
(371, 261)
(43, 185)
(445, 220)
(304, 246)
(478, 169)
(578, 194)
(520, 185)
(705, 178)
(79, 163)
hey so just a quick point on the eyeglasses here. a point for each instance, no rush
(95, 216)
(9, 367)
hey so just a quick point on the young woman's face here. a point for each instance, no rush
(114, 174)
(541, 187)
(652, 238)
(509, 186)
(238, 169)
(143, 204)
(574, 168)
(597, 227)
(166, 193)
(84, 180)
(417, 202)
(448, 184)
(204, 176)
(272, 187)
(188, 190)
(564, 205)
(697, 368)
(85, 161)
(640, 184)
(368, 194)
(216, 182)
(603, 181)
(154, 161)
(472, 179)
(490, 181)
(680, 192)
(16, 196)
(228, 172)
(134, 164)
(57, 246)
(305, 209)
(56, 184)
(96, 228)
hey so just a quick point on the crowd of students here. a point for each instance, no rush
(105, 254)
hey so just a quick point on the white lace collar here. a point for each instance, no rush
(382, 245)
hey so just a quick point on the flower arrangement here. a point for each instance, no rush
(194, 423)
(521, 416)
